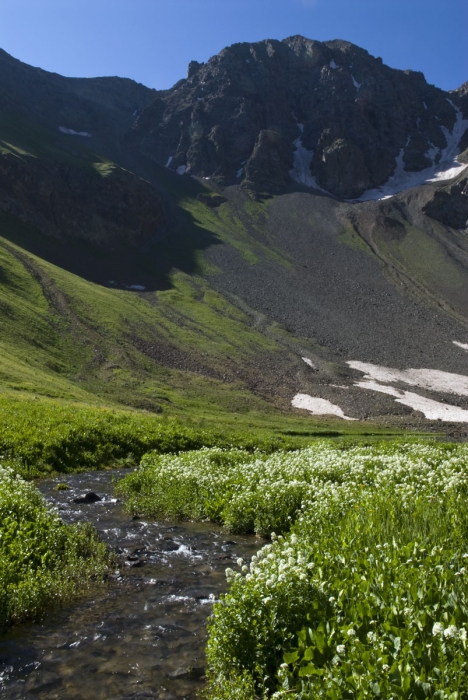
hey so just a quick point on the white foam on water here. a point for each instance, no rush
(72, 132)
(429, 379)
(318, 407)
(461, 345)
(136, 287)
(181, 169)
(447, 168)
(432, 410)
(169, 161)
(355, 83)
(185, 551)
(308, 362)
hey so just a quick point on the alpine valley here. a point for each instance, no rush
(281, 238)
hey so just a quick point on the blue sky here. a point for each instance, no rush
(152, 41)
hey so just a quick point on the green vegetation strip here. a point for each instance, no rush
(38, 437)
(367, 597)
(43, 562)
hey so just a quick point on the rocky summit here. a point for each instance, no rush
(327, 115)
(284, 230)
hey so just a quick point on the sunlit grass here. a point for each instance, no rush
(43, 562)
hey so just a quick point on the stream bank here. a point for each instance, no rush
(141, 636)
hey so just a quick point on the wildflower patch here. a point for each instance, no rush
(366, 597)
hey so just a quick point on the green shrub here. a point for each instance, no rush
(43, 562)
(367, 598)
(40, 437)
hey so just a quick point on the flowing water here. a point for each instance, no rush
(141, 636)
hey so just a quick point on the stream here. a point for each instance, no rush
(142, 635)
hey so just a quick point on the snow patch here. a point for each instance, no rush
(300, 127)
(308, 362)
(461, 345)
(136, 287)
(181, 170)
(301, 170)
(169, 161)
(318, 407)
(239, 172)
(200, 99)
(447, 168)
(432, 410)
(333, 64)
(430, 379)
(72, 132)
(424, 105)
(355, 83)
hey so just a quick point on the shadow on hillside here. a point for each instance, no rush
(177, 244)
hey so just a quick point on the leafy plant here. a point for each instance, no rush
(43, 561)
(366, 598)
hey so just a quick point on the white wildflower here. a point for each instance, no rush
(451, 632)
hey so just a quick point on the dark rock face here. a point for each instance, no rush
(450, 205)
(120, 208)
(244, 115)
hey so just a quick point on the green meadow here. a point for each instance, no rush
(362, 591)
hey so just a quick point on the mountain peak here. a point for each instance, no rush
(325, 116)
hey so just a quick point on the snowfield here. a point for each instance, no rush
(430, 379)
(308, 362)
(318, 407)
(377, 378)
(433, 410)
(301, 171)
(72, 132)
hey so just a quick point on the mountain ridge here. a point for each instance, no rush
(184, 289)
(241, 116)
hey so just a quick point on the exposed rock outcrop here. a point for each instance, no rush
(111, 209)
(450, 205)
(241, 116)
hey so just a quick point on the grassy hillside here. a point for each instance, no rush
(238, 291)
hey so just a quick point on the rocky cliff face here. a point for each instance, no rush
(449, 205)
(325, 115)
(106, 206)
